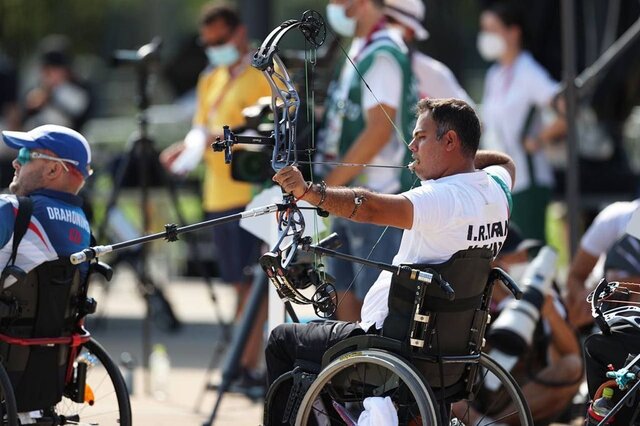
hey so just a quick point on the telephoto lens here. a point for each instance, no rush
(512, 332)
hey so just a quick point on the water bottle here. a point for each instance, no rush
(159, 369)
(127, 366)
(600, 408)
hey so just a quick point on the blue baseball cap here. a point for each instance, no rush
(64, 142)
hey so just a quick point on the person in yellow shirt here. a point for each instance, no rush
(224, 89)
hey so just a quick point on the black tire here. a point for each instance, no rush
(8, 408)
(273, 401)
(111, 405)
(491, 399)
(352, 377)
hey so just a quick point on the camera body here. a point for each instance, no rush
(512, 332)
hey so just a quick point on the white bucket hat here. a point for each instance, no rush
(409, 13)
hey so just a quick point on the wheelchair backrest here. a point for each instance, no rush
(45, 303)
(433, 327)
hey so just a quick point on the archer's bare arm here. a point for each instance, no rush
(485, 158)
(380, 209)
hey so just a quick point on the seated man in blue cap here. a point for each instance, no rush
(51, 167)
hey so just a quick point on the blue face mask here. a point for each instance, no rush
(224, 55)
(339, 21)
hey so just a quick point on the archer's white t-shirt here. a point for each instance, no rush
(453, 213)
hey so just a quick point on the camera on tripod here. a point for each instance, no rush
(512, 332)
(252, 162)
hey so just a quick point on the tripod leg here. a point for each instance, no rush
(215, 357)
(115, 193)
(238, 342)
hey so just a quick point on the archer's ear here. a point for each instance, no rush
(53, 170)
(452, 141)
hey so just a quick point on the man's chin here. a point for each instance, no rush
(14, 188)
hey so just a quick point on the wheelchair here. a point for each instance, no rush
(52, 372)
(428, 359)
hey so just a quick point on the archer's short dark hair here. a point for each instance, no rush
(456, 115)
(211, 12)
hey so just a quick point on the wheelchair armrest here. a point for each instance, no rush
(507, 281)
(103, 269)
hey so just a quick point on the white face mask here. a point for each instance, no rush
(224, 55)
(339, 21)
(491, 46)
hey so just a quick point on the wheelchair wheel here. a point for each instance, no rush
(106, 400)
(496, 399)
(340, 389)
(8, 410)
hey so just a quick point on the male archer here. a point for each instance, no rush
(461, 187)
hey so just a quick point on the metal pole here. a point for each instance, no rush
(572, 189)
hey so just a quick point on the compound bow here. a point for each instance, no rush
(285, 105)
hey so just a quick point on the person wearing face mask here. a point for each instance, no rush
(516, 89)
(224, 89)
(550, 371)
(366, 125)
(435, 79)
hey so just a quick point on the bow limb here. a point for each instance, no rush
(285, 103)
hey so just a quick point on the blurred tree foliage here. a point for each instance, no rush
(96, 27)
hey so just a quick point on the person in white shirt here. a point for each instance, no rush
(516, 88)
(463, 192)
(434, 79)
(368, 120)
(607, 228)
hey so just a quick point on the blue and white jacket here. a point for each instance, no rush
(58, 228)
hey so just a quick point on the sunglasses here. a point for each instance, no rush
(25, 155)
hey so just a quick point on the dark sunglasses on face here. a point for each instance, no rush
(25, 155)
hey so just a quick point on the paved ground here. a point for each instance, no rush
(190, 350)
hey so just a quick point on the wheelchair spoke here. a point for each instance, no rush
(341, 399)
(496, 399)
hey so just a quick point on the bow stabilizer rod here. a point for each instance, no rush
(172, 231)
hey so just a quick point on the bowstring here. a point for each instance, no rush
(311, 58)
(399, 135)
